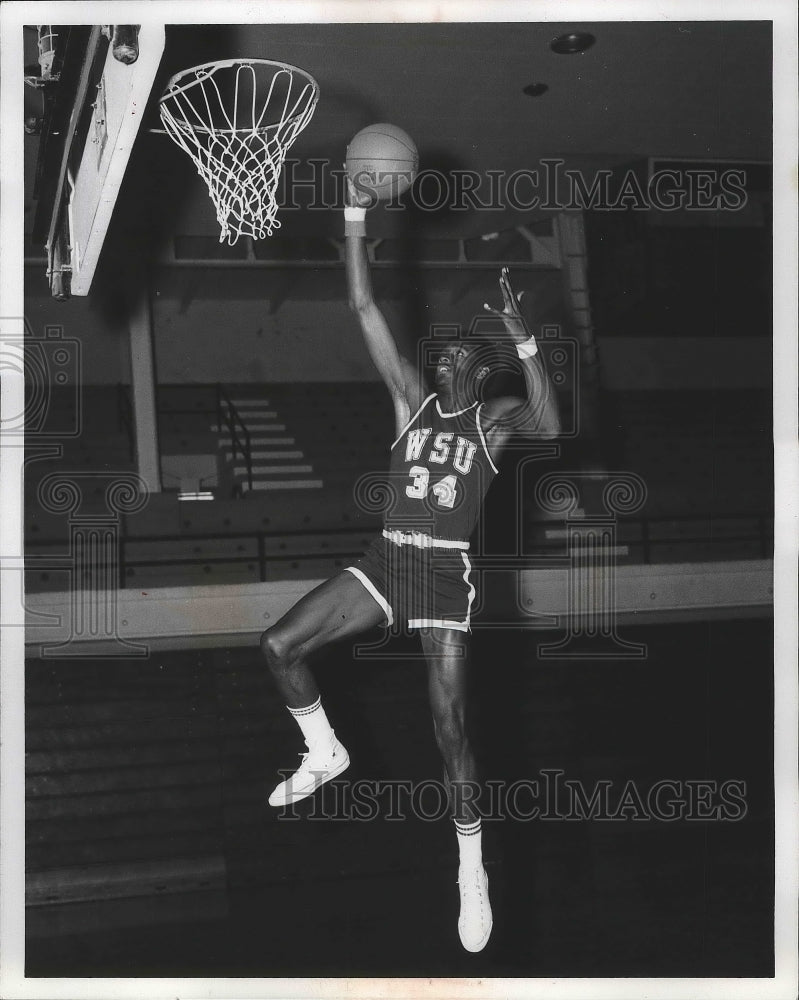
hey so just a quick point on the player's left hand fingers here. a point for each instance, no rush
(507, 291)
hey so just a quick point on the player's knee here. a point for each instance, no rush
(276, 649)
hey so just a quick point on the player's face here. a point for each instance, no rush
(451, 367)
(458, 370)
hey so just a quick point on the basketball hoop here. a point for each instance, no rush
(237, 119)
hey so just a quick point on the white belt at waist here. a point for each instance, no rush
(422, 541)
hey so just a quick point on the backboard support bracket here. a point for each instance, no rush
(105, 120)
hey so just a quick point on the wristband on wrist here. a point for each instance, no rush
(354, 221)
(528, 349)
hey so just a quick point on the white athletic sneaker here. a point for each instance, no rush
(475, 921)
(319, 765)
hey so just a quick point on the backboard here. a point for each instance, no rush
(95, 109)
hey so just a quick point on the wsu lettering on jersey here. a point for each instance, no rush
(441, 470)
(462, 448)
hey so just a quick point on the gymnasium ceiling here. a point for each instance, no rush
(692, 89)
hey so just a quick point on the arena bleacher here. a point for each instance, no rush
(704, 456)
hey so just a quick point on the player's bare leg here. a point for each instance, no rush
(337, 609)
(447, 651)
(447, 654)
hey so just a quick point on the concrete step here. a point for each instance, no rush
(260, 426)
(271, 470)
(284, 484)
(229, 456)
(252, 410)
(226, 441)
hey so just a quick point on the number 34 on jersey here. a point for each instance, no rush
(442, 460)
(444, 444)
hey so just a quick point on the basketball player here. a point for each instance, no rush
(417, 573)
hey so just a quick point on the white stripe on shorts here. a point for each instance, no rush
(360, 575)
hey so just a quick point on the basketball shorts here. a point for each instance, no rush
(418, 581)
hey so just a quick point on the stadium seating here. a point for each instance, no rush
(705, 459)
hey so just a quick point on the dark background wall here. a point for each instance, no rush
(684, 315)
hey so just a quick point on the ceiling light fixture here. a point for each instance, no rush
(572, 42)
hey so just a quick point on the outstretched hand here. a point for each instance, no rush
(511, 310)
(511, 300)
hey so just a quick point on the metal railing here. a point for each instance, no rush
(226, 413)
(230, 417)
(355, 551)
(761, 533)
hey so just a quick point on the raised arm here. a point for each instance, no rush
(537, 415)
(402, 379)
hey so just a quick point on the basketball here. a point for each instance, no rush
(382, 160)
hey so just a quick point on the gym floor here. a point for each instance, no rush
(584, 898)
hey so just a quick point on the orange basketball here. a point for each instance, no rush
(382, 160)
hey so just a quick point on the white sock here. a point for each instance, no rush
(313, 722)
(470, 845)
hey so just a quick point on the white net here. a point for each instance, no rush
(237, 120)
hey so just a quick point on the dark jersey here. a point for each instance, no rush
(440, 472)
